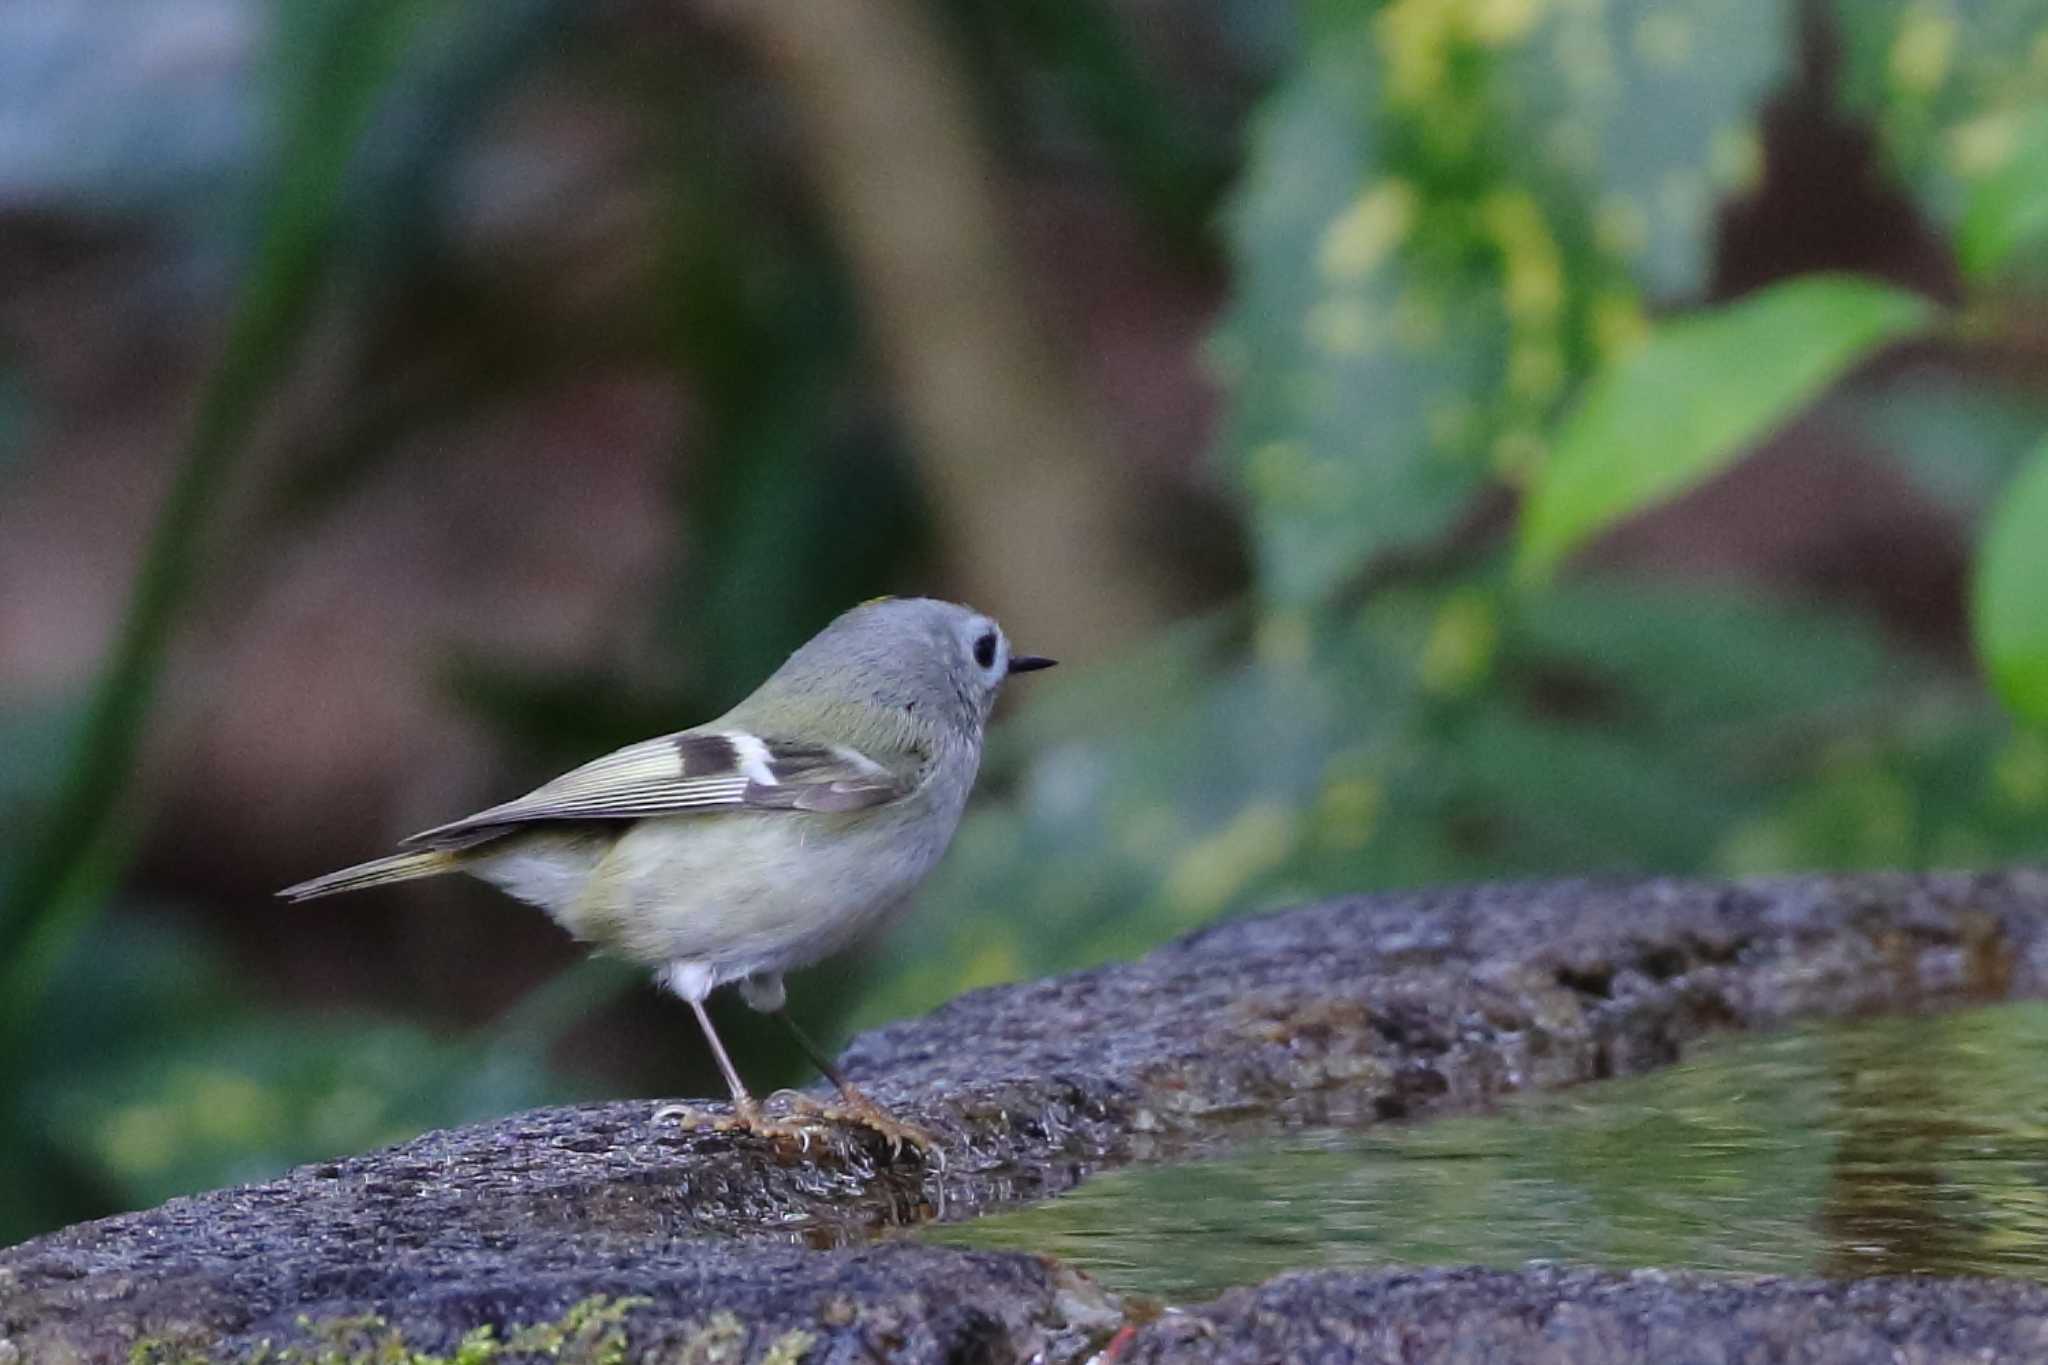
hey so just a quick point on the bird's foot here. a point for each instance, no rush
(746, 1117)
(856, 1109)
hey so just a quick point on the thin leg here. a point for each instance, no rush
(857, 1107)
(747, 1115)
(740, 1098)
(817, 1055)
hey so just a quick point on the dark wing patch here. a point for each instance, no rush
(706, 755)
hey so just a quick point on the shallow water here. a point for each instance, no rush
(1875, 1147)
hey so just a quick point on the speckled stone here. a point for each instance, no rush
(1346, 1012)
(1553, 1316)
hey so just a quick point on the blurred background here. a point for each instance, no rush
(1442, 439)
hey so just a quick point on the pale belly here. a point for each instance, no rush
(737, 892)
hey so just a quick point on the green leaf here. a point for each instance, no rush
(1640, 115)
(1367, 342)
(2005, 217)
(1696, 397)
(1449, 218)
(2010, 601)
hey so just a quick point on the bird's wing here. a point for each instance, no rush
(696, 770)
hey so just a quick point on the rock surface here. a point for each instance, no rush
(1581, 1317)
(1347, 1012)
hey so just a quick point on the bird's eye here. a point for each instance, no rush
(985, 650)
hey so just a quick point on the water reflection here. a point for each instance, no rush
(1881, 1146)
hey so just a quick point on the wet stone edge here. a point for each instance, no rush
(1347, 1012)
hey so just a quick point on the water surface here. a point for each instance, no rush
(1874, 1147)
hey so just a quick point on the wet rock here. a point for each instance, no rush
(577, 1300)
(1346, 1012)
(1553, 1316)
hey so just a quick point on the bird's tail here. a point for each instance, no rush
(399, 867)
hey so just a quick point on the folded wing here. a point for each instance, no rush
(693, 771)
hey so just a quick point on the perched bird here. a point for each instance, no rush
(773, 836)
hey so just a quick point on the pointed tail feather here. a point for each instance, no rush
(399, 867)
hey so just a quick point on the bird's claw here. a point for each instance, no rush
(857, 1110)
(744, 1118)
(807, 1118)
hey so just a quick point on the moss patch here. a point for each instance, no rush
(591, 1332)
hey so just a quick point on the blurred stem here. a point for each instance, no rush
(1038, 512)
(333, 74)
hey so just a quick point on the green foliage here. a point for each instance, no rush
(1696, 397)
(1452, 212)
(1947, 84)
(1447, 239)
(1340, 357)
(2011, 598)
(151, 1074)
(2005, 223)
(1632, 117)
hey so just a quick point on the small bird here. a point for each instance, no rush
(776, 835)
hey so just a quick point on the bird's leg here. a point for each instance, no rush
(746, 1112)
(854, 1106)
(742, 1102)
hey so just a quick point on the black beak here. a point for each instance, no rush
(1029, 663)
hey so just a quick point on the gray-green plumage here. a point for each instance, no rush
(768, 838)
